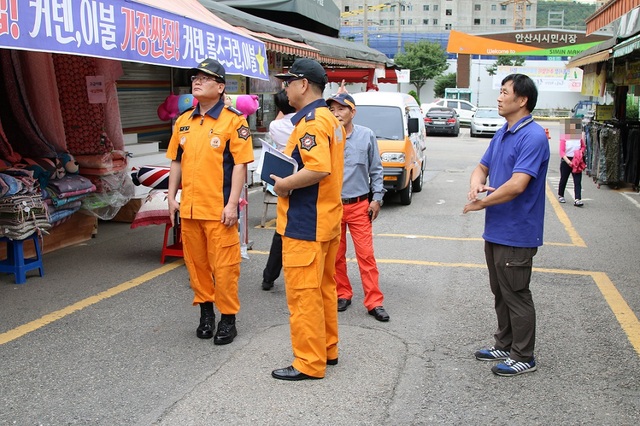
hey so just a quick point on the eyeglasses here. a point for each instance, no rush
(286, 83)
(202, 78)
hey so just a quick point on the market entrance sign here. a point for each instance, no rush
(130, 31)
(546, 42)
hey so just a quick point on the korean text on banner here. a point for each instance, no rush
(125, 30)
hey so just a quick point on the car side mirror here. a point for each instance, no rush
(413, 125)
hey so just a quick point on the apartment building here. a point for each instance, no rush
(434, 16)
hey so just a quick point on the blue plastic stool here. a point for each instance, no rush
(16, 264)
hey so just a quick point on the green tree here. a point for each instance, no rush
(575, 14)
(443, 82)
(415, 95)
(425, 59)
(506, 60)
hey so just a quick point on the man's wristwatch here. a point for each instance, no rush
(381, 202)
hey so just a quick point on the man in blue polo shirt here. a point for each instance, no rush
(513, 174)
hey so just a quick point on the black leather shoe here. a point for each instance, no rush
(267, 285)
(291, 373)
(343, 304)
(226, 331)
(207, 321)
(332, 361)
(379, 313)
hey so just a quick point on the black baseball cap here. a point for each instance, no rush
(305, 68)
(344, 99)
(212, 67)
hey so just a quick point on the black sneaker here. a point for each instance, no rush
(267, 285)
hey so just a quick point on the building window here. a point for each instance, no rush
(476, 21)
(435, 7)
(503, 22)
(493, 21)
(448, 12)
(447, 26)
(527, 21)
(503, 7)
(435, 22)
(493, 7)
(425, 8)
(528, 7)
(425, 22)
(410, 22)
(392, 22)
(384, 22)
(346, 8)
(477, 7)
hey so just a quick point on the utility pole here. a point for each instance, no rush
(365, 24)
(399, 28)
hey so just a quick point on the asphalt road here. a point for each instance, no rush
(107, 336)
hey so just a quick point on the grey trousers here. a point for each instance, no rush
(509, 278)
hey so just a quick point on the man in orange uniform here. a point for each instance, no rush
(209, 151)
(309, 215)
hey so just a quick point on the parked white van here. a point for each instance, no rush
(396, 120)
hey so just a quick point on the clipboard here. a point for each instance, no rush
(276, 163)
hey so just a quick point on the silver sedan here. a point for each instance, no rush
(486, 121)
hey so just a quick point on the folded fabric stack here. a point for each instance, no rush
(113, 185)
(22, 210)
(64, 196)
(102, 164)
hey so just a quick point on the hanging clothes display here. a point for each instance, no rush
(613, 152)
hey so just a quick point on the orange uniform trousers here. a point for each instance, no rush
(309, 269)
(212, 256)
(356, 217)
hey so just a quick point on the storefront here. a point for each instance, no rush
(59, 70)
(613, 68)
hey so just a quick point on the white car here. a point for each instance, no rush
(486, 121)
(464, 109)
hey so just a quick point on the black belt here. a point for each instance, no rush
(355, 199)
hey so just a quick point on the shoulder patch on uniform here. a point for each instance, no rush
(311, 115)
(308, 141)
(244, 132)
(232, 109)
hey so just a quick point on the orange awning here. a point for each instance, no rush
(590, 59)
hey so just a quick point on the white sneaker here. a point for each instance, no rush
(561, 199)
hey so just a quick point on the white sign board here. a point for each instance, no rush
(547, 79)
(403, 76)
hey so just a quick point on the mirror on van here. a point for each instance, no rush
(414, 125)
